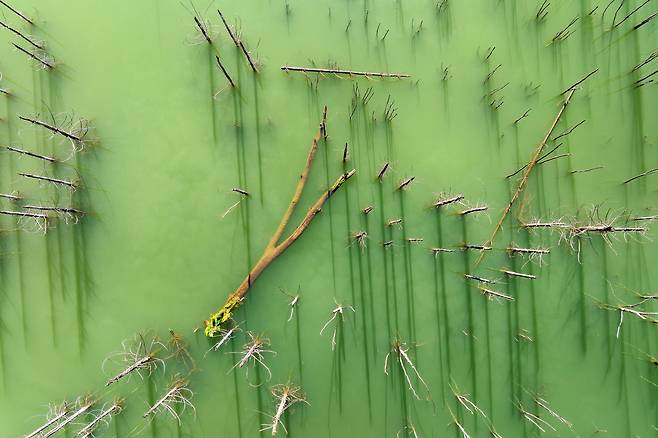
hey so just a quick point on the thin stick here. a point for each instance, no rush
(89, 428)
(570, 130)
(646, 77)
(228, 29)
(637, 218)
(517, 250)
(523, 116)
(442, 202)
(228, 77)
(288, 68)
(517, 274)
(67, 210)
(573, 87)
(202, 30)
(492, 294)
(83, 408)
(140, 363)
(631, 13)
(177, 394)
(10, 197)
(553, 158)
(589, 169)
(405, 183)
(240, 191)
(55, 419)
(653, 55)
(16, 12)
(246, 54)
(274, 249)
(286, 396)
(473, 210)
(538, 161)
(70, 184)
(33, 56)
(24, 214)
(32, 154)
(383, 170)
(20, 34)
(52, 128)
(648, 172)
(526, 174)
(645, 21)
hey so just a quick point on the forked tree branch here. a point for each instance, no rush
(274, 249)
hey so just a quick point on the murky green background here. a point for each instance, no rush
(155, 253)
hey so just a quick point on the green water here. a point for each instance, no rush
(154, 253)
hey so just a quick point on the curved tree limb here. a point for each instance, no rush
(274, 249)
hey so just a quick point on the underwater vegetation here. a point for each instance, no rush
(466, 248)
